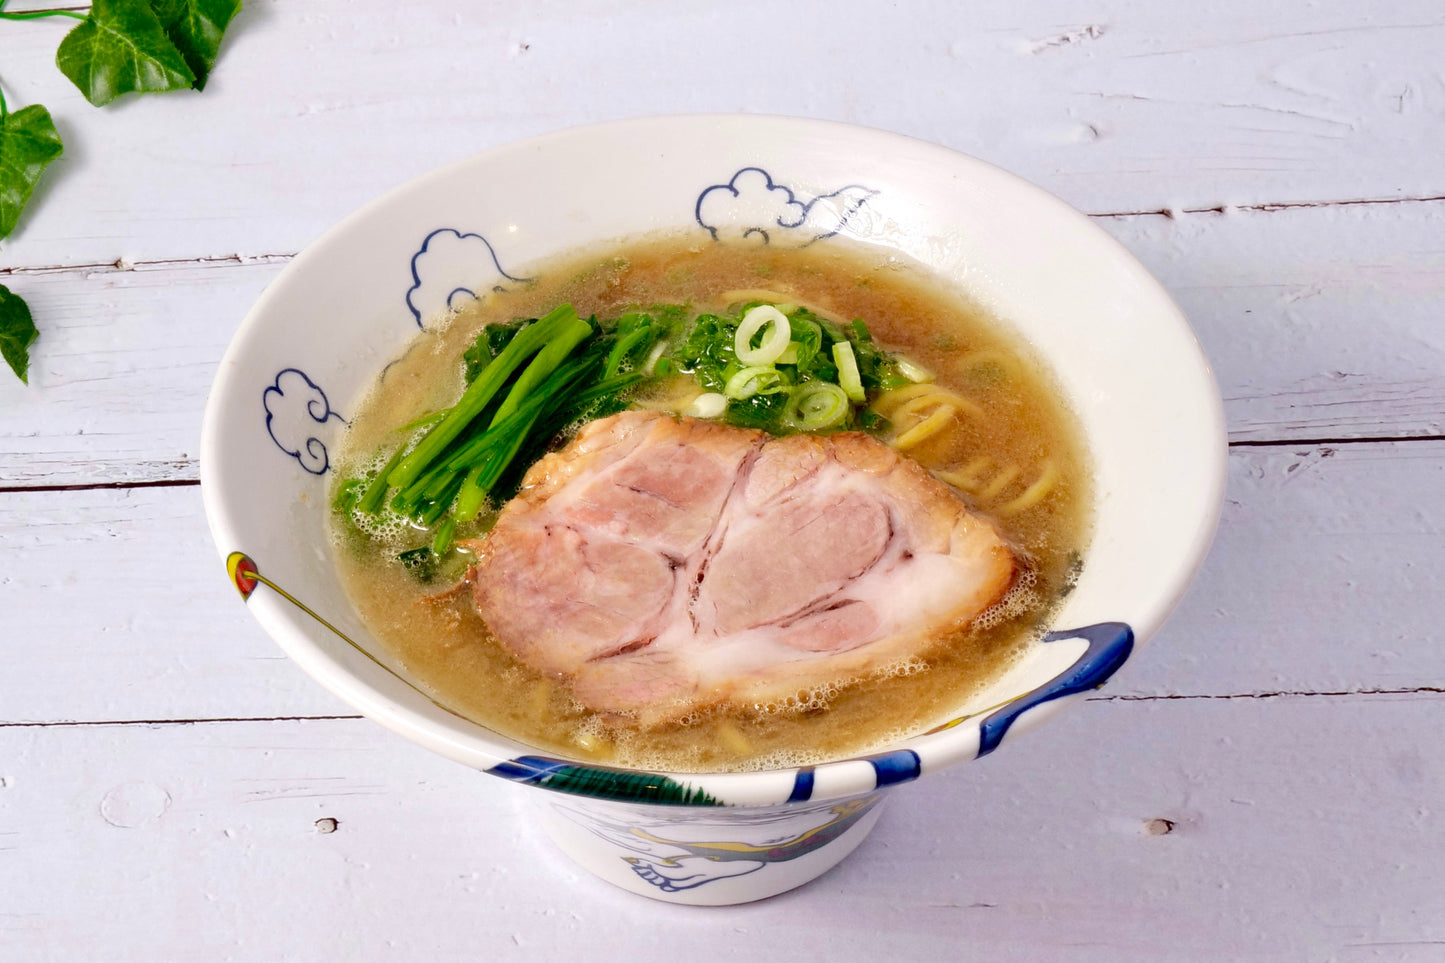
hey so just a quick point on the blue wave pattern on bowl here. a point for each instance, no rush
(295, 405)
(753, 207)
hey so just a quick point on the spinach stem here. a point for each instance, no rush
(527, 342)
(574, 333)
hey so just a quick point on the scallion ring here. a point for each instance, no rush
(707, 405)
(848, 377)
(776, 335)
(755, 380)
(816, 405)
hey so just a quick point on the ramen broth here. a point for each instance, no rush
(1013, 450)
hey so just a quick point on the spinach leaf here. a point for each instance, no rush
(17, 333)
(490, 342)
(195, 28)
(759, 411)
(121, 47)
(708, 351)
(28, 142)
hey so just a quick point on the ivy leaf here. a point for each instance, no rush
(28, 142)
(17, 333)
(121, 47)
(196, 28)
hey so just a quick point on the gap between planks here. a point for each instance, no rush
(1251, 443)
(227, 720)
(125, 264)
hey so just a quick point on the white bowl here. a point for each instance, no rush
(1121, 350)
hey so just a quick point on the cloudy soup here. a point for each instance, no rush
(693, 506)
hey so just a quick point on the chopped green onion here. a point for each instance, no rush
(816, 405)
(775, 330)
(756, 380)
(789, 355)
(913, 372)
(707, 405)
(848, 377)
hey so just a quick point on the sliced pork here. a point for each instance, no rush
(661, 566)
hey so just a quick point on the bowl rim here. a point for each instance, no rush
(468, 742)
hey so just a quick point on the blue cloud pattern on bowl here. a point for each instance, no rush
(445, 272)
(655, 832)
(752, 207)
(294, 406)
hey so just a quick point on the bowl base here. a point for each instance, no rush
(708, 856)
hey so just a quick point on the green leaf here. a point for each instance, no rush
(196, 28)
(28, 142)
(121, 47)
(17, 333)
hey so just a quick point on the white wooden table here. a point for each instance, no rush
(1275, 783)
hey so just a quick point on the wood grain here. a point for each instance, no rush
(315, 108)
(202, 842)
(1262, 782)
(1321, 323)
(1321, 580)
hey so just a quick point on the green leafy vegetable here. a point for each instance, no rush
(489, 344)
(526, 381)
(195, 27)
(28, 143)
(784, 395)
(17, 333)
(119, 48)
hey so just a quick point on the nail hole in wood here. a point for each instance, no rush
(326, 825)
(1158, 827)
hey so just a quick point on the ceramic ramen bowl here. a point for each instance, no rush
(1121, 351)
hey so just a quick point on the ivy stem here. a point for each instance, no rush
(37, 14)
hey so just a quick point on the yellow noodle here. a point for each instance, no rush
(732, 737)
(756, 294)
(966, 478)
(926, 428)
(889, 402)
(1001, 481)
(1034, 493)
(917, 406)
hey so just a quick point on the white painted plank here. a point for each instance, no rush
(1322, 323)
(1322, 579)
(119, 377)
(1303, 829)
(117, 607)
(317, 107)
